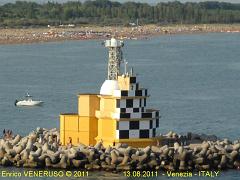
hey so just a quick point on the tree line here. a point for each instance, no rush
(105, 12)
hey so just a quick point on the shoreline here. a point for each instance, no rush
(41, 149)
(58, 34)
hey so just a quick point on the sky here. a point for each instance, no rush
(147, 1)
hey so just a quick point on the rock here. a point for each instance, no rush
(124, 167)
(121, 151)
(165, 152)
(16, 140)
(108, 150)
(6, 162)
(128, 151)
(199, 160)
(48, 162)
(30, 164)
(169, 134)
(91, 167)
(79, 163)
(205, 145)
(170, 152)
(24, 155)
(156, 149)
(176, 146)
(18, 149)
(125, 160)
(43, 157)
(108, 167)
(205, 167)
(233, 155)
(40, 149)
(182, 166)
(237, 164)
(152, 164)
(108, 160)
(203, 152)
(236, 147)
(99, 145)
(45, 147)
(183, 155)
(118, 145)
(223, 162)
(147, 150)
(62, 164)
(228, 148)
(114, 157)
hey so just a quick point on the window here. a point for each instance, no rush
(151, 124)
(137, 86)
(129, 103)
(118, 103)
(124, 134)
(117, 125)
(134, 124)
(144, 133)
(154, 132)
(135, 110)
(131, 87)
(138, 93)
(132, 79)
(145, 92)
(123, 110)
(157, 122)
(124, 93)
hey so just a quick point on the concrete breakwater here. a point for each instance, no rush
(41, 149)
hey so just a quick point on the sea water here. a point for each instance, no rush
(193, 79)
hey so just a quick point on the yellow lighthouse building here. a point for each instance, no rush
(118, 114)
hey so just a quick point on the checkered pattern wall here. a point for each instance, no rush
(131, 103)
(137, 115)
(133, 119)
(137, 129)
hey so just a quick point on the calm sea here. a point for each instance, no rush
(193, 79)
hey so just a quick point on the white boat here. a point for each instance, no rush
(28, 102)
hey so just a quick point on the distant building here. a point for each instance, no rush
(118, 114)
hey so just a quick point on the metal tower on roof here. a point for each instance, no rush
(115, 57)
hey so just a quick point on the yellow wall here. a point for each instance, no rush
(124, 82)
(88, 104)
(141, 142)
(80, 129)
(68, 123)
(108, 104)
(106, 130)
(107, 107)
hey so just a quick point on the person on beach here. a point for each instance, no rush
(69, 142)
(7, 134)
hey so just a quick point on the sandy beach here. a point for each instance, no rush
(53, 34)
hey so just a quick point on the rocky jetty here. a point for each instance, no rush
(41, 149)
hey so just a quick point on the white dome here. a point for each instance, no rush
(108, 87)
(114, 42)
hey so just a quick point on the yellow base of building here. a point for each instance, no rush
(138, 143)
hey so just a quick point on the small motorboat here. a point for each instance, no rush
(28, 101)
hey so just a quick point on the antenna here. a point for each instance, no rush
(131, 72)
(125, 66)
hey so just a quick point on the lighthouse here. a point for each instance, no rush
(117, 114)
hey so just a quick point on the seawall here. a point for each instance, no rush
(41, 149)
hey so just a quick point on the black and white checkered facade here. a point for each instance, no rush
(133, 119)
(137, 129)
